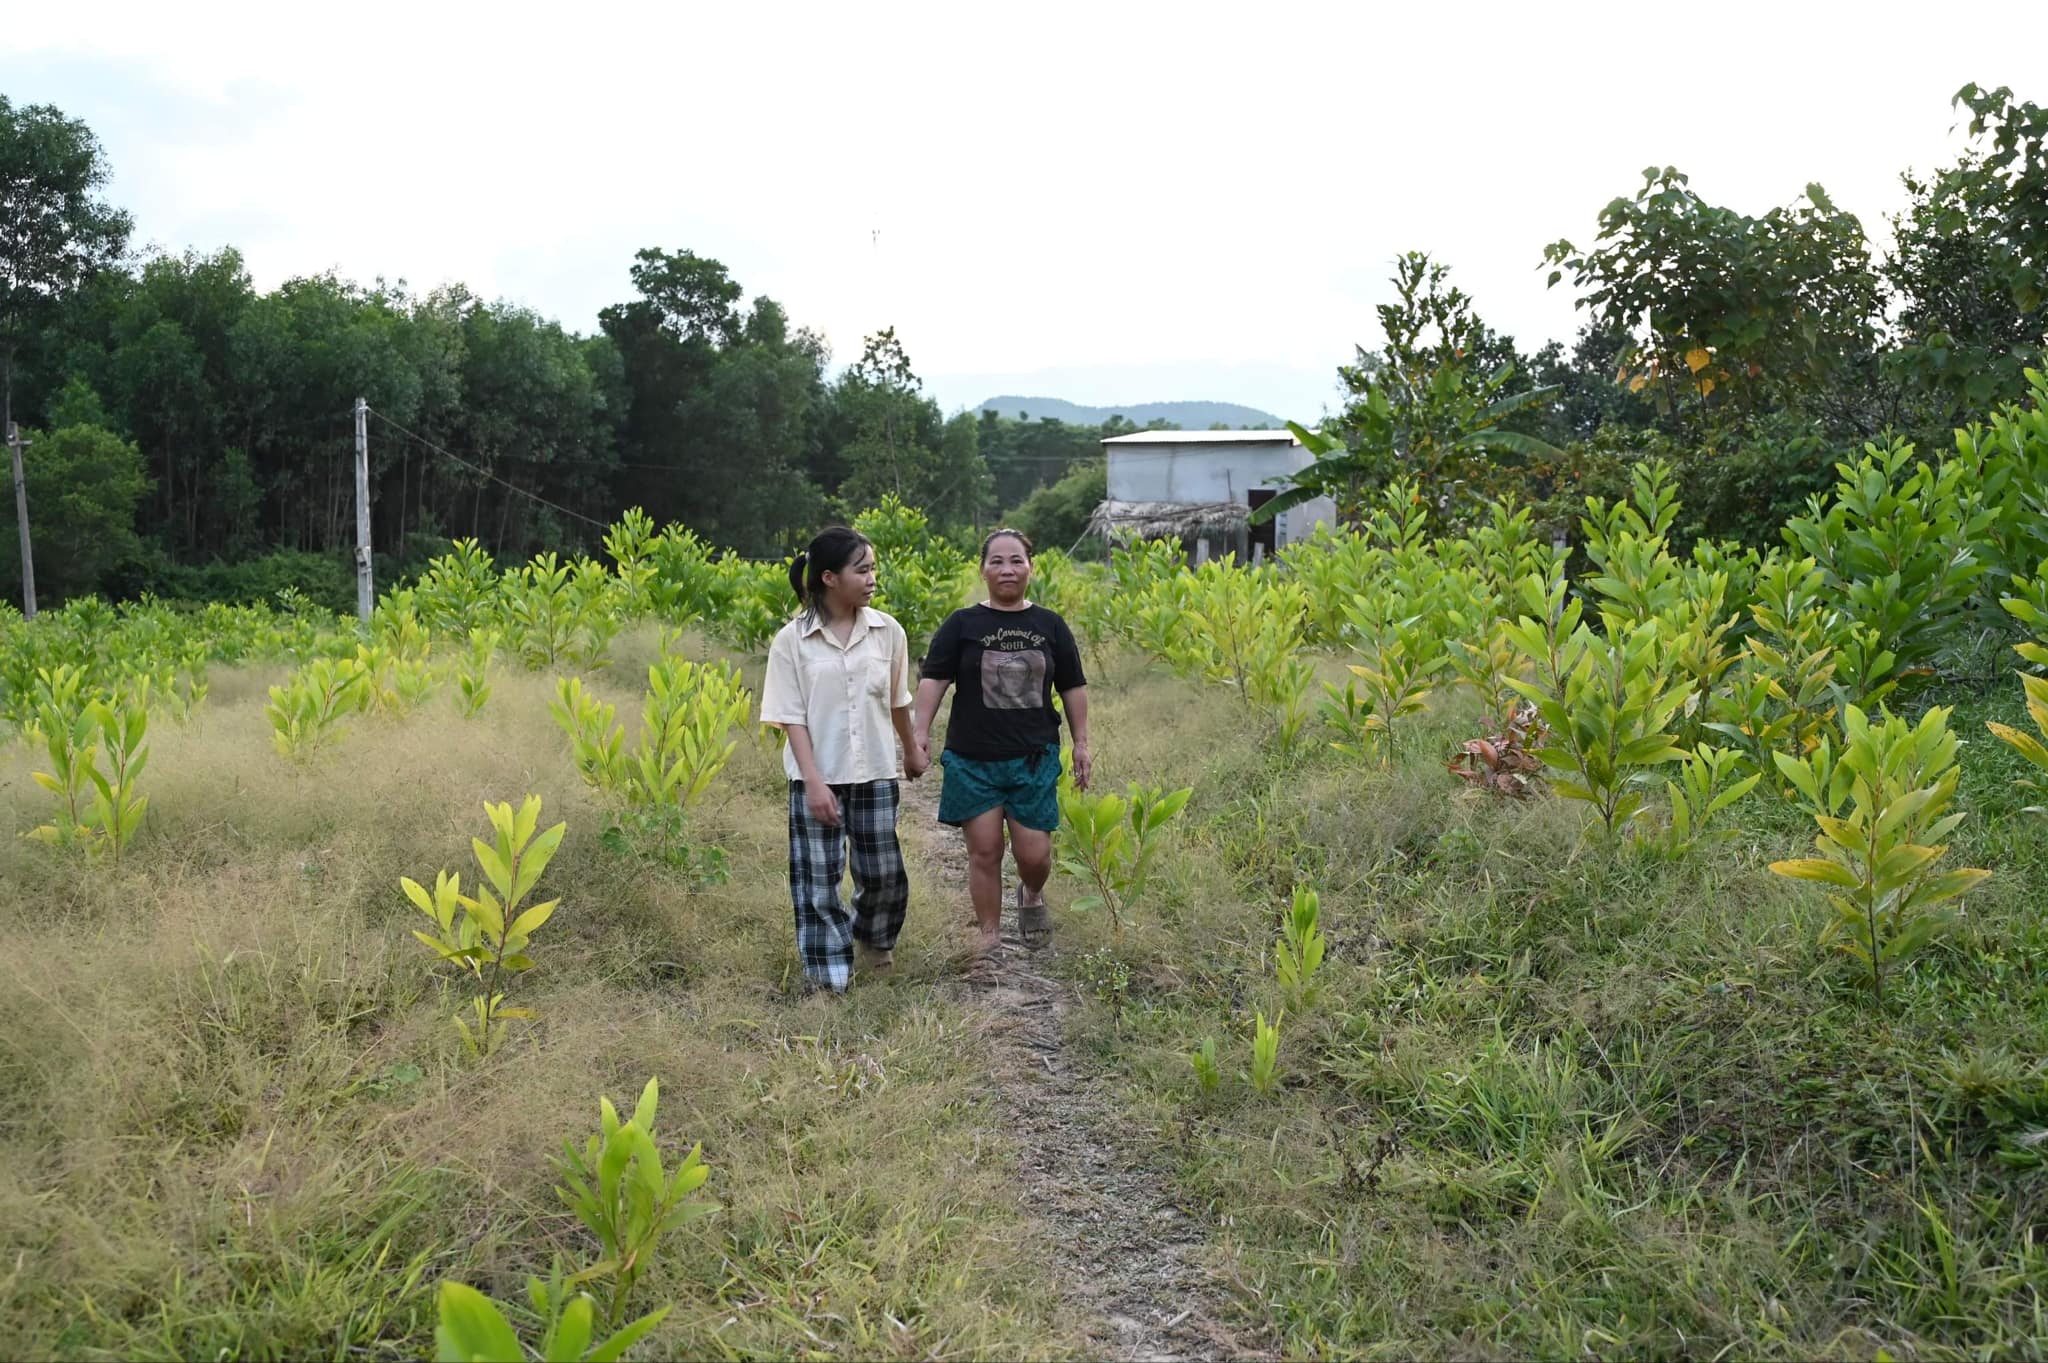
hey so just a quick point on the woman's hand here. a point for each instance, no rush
(821, 803)
(1084, 766)
(917, 760)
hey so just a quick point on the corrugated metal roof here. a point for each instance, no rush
(1203, 438)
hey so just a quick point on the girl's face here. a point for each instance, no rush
(1006, 569)
(853, 586)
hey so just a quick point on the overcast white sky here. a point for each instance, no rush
(1109, 202)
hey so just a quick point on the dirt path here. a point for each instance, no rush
(1130, 1254)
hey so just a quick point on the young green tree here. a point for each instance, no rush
(84, 484)
(1057, 516)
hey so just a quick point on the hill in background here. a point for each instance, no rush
(1189, 416)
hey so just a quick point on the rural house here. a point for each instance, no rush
(1201, 486)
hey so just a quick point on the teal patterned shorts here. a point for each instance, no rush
(1028, 789)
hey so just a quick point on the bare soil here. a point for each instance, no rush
(1136, 1264)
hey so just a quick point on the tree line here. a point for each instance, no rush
(193, 435)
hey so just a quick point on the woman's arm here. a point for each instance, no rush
(930, 691)
(1074, 701)
(818, 797)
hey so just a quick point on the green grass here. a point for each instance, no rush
(236, 1122)
(1557, 1099)
(1553, 1098)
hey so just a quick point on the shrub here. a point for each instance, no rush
(1882, 801)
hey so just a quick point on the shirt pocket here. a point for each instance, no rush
(874, 669)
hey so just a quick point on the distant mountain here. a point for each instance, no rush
(1189, 416)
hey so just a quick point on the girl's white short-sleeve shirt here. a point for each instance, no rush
(842, 693)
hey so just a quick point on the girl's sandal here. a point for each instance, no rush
(1034, 923)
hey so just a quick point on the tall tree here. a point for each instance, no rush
(1727, 309)
(1970, 263)
(56, 231)
(669, 340)
(1436, 403)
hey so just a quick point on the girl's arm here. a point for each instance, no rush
(819, 800)
(1074, 701)
(915, 759)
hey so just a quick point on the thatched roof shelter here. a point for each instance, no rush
(1119, 522)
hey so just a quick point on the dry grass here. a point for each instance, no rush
(234, 1119)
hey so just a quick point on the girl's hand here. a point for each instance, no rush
(1084, 766)
(821, 803)
(916, 761)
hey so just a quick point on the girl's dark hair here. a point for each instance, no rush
(1017, 535)
(834, 548)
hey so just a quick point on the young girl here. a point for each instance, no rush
(838, 682)
(1002, 754)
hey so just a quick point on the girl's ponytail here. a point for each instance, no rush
(796, 576)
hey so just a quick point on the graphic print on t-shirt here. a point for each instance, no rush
(1012, 681)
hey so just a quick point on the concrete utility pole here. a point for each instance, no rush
(366, 594)
(28, 559)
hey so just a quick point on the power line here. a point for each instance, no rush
(557, 506)
(486, 473)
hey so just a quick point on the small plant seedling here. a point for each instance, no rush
(487, 934)
(1108, 841)
(1264, 1075)
(1208, 1075)
(1707, 785)
(306, 712)
(99, 804)
(1299, 951)
(619, 1191)
(471, 1328)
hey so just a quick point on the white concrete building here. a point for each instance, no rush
(1208, 482)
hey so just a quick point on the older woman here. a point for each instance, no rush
(1005, 657)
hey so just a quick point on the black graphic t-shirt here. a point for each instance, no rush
(1004, 666)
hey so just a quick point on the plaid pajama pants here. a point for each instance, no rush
(825, 929)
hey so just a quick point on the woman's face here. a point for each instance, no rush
(1006, 569)
(853, 586)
